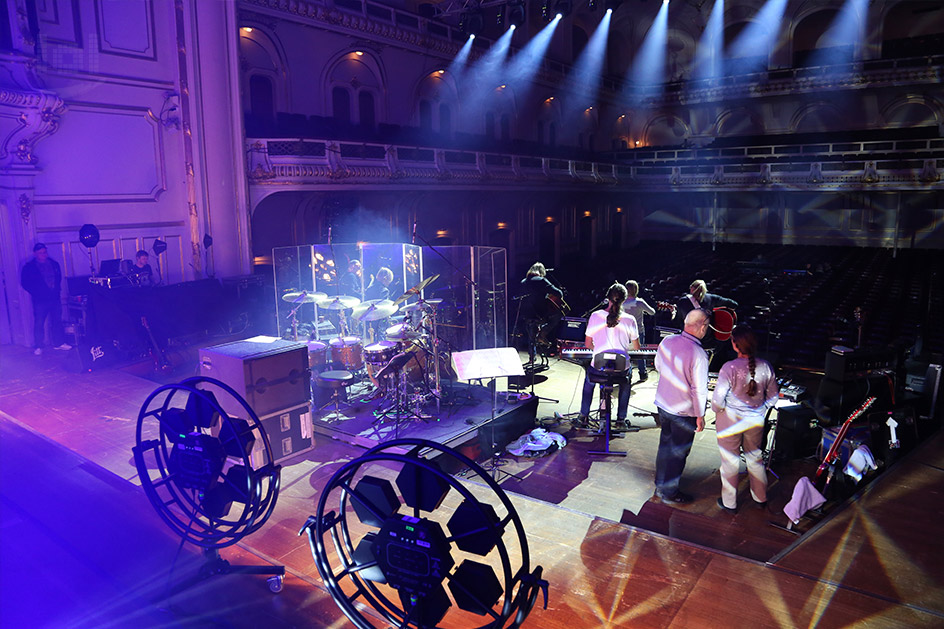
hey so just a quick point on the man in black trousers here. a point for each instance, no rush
(42, 279)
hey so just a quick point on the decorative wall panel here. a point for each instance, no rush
(112, 155)
(60, 21)
(126, 27)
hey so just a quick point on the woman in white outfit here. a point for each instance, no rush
(746, 388)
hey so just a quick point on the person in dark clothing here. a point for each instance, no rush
(537, 305)
(141, 273)
(41, 277)
(699, 297)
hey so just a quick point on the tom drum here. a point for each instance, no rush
(348, 351)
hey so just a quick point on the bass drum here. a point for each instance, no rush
(415, 368)
(347, 351)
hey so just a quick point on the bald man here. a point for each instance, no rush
(681, 397)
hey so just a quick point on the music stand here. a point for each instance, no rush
(489, 364)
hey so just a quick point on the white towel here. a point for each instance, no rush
(859, 463)
(805, 497)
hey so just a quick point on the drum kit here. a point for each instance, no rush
(398, 366)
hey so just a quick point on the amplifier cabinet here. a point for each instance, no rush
(271, 374)
(573, 329)
(289, 432)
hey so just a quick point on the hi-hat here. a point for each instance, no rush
(432, 303)
(401, 332)
(374, 310)
(417, 289)
(341, 302)
(304, 297)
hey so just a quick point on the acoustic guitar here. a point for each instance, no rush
(722, 319)
(722, 322)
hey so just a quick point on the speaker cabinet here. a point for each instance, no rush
(797, 435)
(269, 373)
(289, 432)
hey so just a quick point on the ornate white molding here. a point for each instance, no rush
(26, 117)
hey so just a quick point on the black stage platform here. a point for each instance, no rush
(470, 417)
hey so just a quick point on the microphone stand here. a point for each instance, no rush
(469, 282)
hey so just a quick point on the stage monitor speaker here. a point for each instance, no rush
(85, 356)
(271, 374)
(837, 399)
(798, 434)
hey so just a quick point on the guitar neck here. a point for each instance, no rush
(834, 449)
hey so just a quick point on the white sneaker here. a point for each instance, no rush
(38, 351)
(64, 347)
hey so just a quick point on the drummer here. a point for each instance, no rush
(379, 287)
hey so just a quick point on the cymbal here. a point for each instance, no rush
(374, 310)
(416, 289)
(421, 304)
(307, 297)
(401, 332)
(341, 302)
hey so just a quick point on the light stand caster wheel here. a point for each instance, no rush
(275, 583)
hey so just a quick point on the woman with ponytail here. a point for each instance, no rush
(610, 329)
(747, 387)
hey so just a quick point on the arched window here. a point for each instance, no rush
(426, 115)
(552, 134)
(261, 96)
(490, 125)
(341, 104)
(445, 120)
(505, 128)
(365, 109)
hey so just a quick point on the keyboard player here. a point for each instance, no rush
(610, 329)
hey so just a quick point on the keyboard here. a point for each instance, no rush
(582, 355)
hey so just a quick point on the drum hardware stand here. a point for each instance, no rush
(767, 453)
(294, 318)
(396, 365)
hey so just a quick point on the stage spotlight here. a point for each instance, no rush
(422, 489)
(400, 563)
(475, 587)
(472, 22)
(196, 463)
(475, 527)
(515, 13)
(612, 5)
(563, 8)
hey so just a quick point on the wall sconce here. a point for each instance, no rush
(502, 225)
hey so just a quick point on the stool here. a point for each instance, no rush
(337, 381)
(609, 368)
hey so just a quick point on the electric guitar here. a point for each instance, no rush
(160, 359)
(832, 456)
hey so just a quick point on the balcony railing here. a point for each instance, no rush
(907, 163)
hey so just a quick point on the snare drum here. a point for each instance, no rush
(347, 351)
(381, 353)
(317, 354)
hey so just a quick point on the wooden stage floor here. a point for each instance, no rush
(82, 547)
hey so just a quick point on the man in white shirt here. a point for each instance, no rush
(681, 397)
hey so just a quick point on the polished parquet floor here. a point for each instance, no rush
(82, 547)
